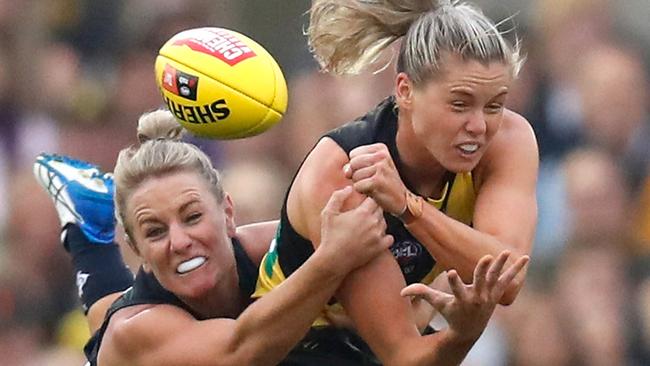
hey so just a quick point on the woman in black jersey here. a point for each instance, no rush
(452, 168)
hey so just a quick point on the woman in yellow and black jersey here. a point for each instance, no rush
(453, 169)
(417, 265)
(290, 249)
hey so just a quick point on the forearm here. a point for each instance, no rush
(372, 292)
(459, 246)
(274, 324)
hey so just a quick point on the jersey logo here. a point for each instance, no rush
(406, 252)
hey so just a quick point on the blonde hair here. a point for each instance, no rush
(346, 36)
(160, 153)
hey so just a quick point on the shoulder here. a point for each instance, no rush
(513, 147)
(322, 171)
(516, 126)
(319, 176)
(515, 136)
(256, 238)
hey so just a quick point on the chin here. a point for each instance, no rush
(460, 167)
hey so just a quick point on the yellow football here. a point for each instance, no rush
(220, 84)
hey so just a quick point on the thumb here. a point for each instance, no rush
(337, 199)
(416, 289)
(437, 299)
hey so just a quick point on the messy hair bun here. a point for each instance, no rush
(159, 125)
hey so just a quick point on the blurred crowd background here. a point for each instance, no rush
(76, 74)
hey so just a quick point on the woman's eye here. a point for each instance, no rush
(194, 217)
(494, 108)
(154, 232)
(458, 105)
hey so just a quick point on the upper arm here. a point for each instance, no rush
(506, 204)
(166, 335)
(319, 176)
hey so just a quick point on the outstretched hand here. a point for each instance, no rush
(470, 307)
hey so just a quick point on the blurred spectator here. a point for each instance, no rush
(565, 30)
(534, 329)
(613, 87)
(594, 279)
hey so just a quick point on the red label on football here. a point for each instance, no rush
(218, 43)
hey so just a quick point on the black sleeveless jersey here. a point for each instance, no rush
(147, 290)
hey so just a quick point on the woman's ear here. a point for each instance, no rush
(403, 91)
(229, 213)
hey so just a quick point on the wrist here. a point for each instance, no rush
(459, 338)
(413, 208)
(327, 264)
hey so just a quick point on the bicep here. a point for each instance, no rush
(506, 205)
(319, 176)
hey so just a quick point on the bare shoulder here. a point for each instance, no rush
(322, 171)
(256, 238)
(515, 136)
(516, 126)
(319, 176)
(514, 147)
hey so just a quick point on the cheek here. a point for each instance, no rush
(493, 123)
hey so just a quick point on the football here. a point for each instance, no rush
(220, 84)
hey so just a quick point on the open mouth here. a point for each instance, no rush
(190, 265)
(468, 149)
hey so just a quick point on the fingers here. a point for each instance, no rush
(456, 284)
(367, 149)
(510, 273)
(496, 268)
(437, 299)
(337, 199)
(370, 205)
(481, 270)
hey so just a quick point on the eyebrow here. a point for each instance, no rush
(188, 204)
(471, 95)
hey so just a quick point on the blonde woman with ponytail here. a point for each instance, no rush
(452, 168)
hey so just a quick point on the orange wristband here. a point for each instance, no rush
(413, 210)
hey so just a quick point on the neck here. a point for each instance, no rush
(419, 168)
(224, 300)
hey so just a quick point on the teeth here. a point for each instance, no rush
(190, 265)
(469, 148)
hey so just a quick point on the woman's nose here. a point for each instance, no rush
(476, 124)
(179, 240)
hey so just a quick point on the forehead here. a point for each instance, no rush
(169, 191)
(458, 73)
